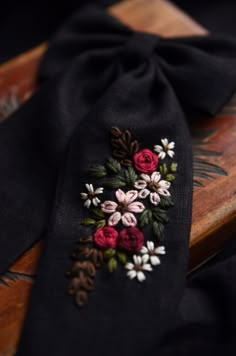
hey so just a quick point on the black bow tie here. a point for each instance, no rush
(114, 101)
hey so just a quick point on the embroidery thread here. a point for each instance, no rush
(134, 195)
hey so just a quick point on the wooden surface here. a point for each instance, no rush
(214, 201)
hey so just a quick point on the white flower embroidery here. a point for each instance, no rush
(167, 149)
(150, 253)
(136, 269)
(152, 186)
(124, 209)
(90, 197)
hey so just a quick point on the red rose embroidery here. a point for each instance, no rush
(145, 161)
(106, 237)
(131, 239)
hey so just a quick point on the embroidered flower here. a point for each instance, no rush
(124, 209)
(91, 197)
(150, 253)
(152, 186)
(136, 269)
(145, 161)
(131, 239)
(167, 149)
(106, 237)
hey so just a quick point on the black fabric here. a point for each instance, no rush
(206, 317)
(22, 27)
(98, 74)
(25, 24)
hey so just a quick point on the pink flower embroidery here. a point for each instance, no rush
(106, 237)
(131, 239)
(124, 209)
(153, 186)
(145, 161)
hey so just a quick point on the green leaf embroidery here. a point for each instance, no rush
(98, 171)
(166, 202)
(116, 182)
(112, 264)
(113, 165)
(158, 230)
(163, 169)
(170, 177)
(107, 254)
(122, 257)
(100, 223)
(88, 221)
(98, 214)
(145, 218)
(173, 167)
(130, 176)
(160, 215)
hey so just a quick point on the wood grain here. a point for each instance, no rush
(214, 205)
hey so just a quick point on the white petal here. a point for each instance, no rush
(162, 155)
(136, 207)
(150, 245)
(144, 193)
(84, 195)
(155, 260)
(99, 191)
(128, 219)
(170, 153)
(164, 142)
(147, 267)
(87, 203)
(160, 250)
(120, 196)
(158, 148)
(129, 265)
(132, 274)
(89, 188)
(131, 195)
(145, 258)
(114, 218)
(154, 198)
(145, 177)
(144, 249)
(137, 260)
(164, 184)
(155, 177)
(96, 201)
(108, 206)
(164, 192)
(140, 184)
(171, 145)
(141, 276)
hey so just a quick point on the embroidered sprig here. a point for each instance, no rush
(134, 194)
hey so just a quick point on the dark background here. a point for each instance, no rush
(25, 24)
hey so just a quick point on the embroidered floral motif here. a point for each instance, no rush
(150, 253)
(124, 209)
(136, 269)
(134, 196)
(165, 149)
(91, 196)
(153, 187)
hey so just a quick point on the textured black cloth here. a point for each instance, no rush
(98, 74)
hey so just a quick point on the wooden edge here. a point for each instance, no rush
(131, 13)
(32, 54)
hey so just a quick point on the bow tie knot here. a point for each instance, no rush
(140, 46)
